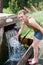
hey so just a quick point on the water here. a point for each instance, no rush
(15, 48)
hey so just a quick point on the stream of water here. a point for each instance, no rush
(15, 48)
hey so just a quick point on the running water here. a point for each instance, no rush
(15, 48)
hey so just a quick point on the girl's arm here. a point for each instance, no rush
(34, 24)
(20, 30)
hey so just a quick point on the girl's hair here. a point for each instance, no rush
(22, 11)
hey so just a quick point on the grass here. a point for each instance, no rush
(25, 31)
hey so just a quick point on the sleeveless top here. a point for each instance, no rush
(38, 21)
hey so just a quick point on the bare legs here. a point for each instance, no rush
(35, 49)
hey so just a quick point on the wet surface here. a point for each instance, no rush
(10, 50)
(15, 49)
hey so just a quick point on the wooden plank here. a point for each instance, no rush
(25, 57)
(8, 19)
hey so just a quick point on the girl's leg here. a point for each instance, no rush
(35, 49)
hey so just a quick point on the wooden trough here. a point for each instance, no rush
(7, 20)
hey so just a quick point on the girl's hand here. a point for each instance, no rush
(15, 37)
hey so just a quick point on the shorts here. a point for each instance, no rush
(38, 35)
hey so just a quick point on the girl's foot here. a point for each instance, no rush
(29, 60)
(33, 62)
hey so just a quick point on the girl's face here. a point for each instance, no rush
(21, 16)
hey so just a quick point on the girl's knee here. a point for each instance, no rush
(34, 45)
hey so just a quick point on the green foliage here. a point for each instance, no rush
(38, 16)
(26, 46)
(26, 28)
(7, 10)
(22, 3)
(5, 3)
(13, 6)
(16, 5)
(41, 6)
